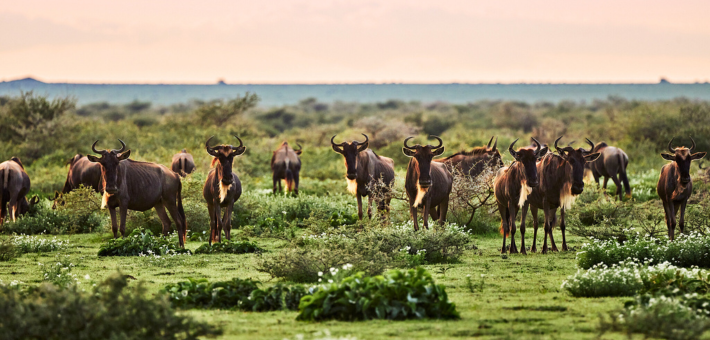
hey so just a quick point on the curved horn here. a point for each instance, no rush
(93, 148)
(123, 147)
(557, 147)
(489, 142)
(300, 148)
(333, 143)
(240, 142)
(590, 144)
(363, 146)
(495, 145)
(210, 149)
(512, 152)
(692, 147)
(441, 143)
(539, 146)
(670, 145)
(367, 139)
(407, 146)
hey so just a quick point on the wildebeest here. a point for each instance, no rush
(561, 180)
(611, 163)
(139, 186)
(183, 164)
(512, 186)
(674, 185)
(472, 163)
(364, 170)
(428, 184)
(81, 172)
(286, 165)
(222, 188)
(14, 185)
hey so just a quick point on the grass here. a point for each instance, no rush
(521, 296)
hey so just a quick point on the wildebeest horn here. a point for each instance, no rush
(407, 146)
(123, 147)
(336, 147)
(692, 147)
(590, 144)
(364, 144)
(93, 148)
(539, 146)
(495, 145)
(489, 142)
(513, 152)
(240, 142)
(670, 145)
(557, 147)
(300, 148)
(210, 150)
(441, 143)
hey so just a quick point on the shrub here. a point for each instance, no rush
(59, 272)
(630, 278)
(37, 244)
(243, 294)
(686, 251)
(229, 247)
(7, 249)
(395, 296)
(139, 242)
(54, 222)
(111, 311)
(169, 259)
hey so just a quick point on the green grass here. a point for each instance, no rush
(521, 296)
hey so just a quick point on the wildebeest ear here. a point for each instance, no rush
(337, 148)
(668, 157)
(697, 155)
(543, 152)
(34, 200)
(408, 153)
(592, 157)
(438, 151)
(56, 194)
(298, 152)
(124, 155)
(363, 147)
(239, 150)
(94, 158)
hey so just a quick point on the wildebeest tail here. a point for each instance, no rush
(182, 167)
(622, 173)
(289, 180)
(3, 184)
(181, 210)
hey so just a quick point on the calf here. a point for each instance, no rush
(674, 185)
(611, 163)
(428, 184)
(222, 188)
(286, 165)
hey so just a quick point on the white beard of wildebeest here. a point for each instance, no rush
(104, 200)
(352, 185)
(420, 195)
(223, 191)
(525, 190)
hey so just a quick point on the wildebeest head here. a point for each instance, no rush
(683, 156)
(224, 154)
(577, 158)
(423, 155)
(109, 165)
(493, 153)
(528, 157)
(350, 152)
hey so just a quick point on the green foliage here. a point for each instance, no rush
(113, 310)
(38, 244)
(59, 271)
(7, 249)
(47, 221)
(141, 241)
(243, 294)
(229, 247)
(395, 296)
(219, 112)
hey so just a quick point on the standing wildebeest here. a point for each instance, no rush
(612, 162)
(183, 163)
(222, 188)
(14, 185)
(427, 184)
(561, 180)
(139, 186)
(674, 185)
(81, 172)
(512, 187)
(285, 164)
(472, 163)
(364, 169)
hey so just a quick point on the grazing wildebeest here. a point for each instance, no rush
(472, 163)
(561, 180)
(139, 186)
(286, 165)
(183, 163)
(428, 184)
(611, 163)
(14, 185)
(512, 187)
(81, 172)
(222, 188)
(364, 169)
(674, 185)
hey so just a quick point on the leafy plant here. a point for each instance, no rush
(38, 244)
(59, 271)
(396, 295)
(141, 241)
(229, 247)
(48, 221)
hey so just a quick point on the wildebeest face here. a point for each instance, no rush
(423, 154)
(224, 155)
(528, 157)
(109, 162)
(350, 152)
(683, 156)
(577, 158)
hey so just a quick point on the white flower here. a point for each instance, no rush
(87, 277)
(184, 293)
(320, 273)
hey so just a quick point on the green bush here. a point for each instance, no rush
(38, 244)
(7, 249)
(229, 247)
(395, 296)
(113, 310)
(48, 221)
(243, 294)
(139, 242)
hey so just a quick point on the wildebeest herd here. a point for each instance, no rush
(538, 178)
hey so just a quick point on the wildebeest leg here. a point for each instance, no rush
(618, 186)
(177, 218)
(295, 182)
(524, 214)
(533, 211)
(503, 224)
(217, 231)
(443, 210)
(562, 229)
(227, 221)
(681, 223)
(668, 217)
(160, 210)
(276, 179)
(551, 225)
(413, 213)
(369, 206)
(547, 227)
(213, 222)
(425, 212)
(13, 207)
(359, 207)
(123, 212)
(114, 224)
(671, 218)
(513, 213)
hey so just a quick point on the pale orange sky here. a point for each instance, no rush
(294, 41)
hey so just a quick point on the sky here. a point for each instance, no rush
(322, 41)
